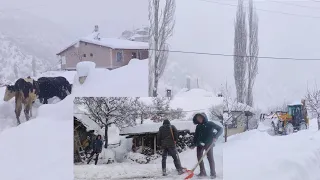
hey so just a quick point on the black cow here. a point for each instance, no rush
(53, 86)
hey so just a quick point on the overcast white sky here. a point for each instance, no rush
(80, 16)
(209, 27)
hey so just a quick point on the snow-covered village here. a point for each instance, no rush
(150, 89)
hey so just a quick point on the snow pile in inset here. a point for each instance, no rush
(84, 67)
(128, 80)
(42, 147)
(257, 155)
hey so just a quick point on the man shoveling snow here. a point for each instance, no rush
(204, 139)
(167, 136)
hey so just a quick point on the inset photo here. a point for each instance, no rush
(148, 137)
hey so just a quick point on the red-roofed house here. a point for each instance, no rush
(110, 53)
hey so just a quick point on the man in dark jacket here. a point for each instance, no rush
(203, 138)
(97, 148)
(167, 138)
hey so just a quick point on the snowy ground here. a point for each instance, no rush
(42, 147)
(257, 155)
(152, 170)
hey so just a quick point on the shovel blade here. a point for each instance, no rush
(190, 174)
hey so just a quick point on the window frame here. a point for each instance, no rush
(121, 60)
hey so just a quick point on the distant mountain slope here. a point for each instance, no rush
(140, 34)
(25, 38)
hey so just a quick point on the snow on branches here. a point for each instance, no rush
(313, 103)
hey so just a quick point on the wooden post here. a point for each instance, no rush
(155, 144)
(225, 132)
(142, 143)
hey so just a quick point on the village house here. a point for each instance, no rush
(239, 122)
(109, 53)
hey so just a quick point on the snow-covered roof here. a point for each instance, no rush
(295, 103)
(86, 121)
(154, 127)
(114, 43)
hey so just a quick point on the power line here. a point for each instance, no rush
(265, 10)
(233, 55)
(291, 4)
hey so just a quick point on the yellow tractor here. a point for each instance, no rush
(295, 119)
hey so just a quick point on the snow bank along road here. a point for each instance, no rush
(257, 155)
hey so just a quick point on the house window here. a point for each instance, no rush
(84, 55)
(134, 55)
(119, 56)
(85, 43)
(91, 54)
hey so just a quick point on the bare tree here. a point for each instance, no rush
(313, 103)
(253, 51)
(108, 110)
(142, 110)
(162, 23)
(223, 112)
(240, 44)
(160, 109)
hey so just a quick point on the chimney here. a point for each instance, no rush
(96, 28)
(96, 33)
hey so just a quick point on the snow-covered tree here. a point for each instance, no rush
(109, 110)
(162, 23)
(160, 109)
(313, 103)
(240, 45)
(253, 51)
(141, 109)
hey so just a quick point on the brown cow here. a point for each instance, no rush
(24, 92)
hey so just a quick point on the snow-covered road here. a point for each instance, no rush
(147, 171)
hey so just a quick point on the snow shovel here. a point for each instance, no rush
(191, 172)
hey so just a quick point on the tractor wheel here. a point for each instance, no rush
(288, 129)
(303, 126)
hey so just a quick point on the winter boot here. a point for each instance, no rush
(180, 171)
(213, 176)
(164, 172)
(202, 174)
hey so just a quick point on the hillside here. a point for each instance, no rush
(37, 41)
(139, 34)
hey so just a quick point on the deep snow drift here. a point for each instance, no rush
(257, 155)
(42, 147)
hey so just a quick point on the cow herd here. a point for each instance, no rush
(27, 90)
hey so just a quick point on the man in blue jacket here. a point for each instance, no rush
(203, 138)
(97, 148)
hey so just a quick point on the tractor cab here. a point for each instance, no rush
(295, 111)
